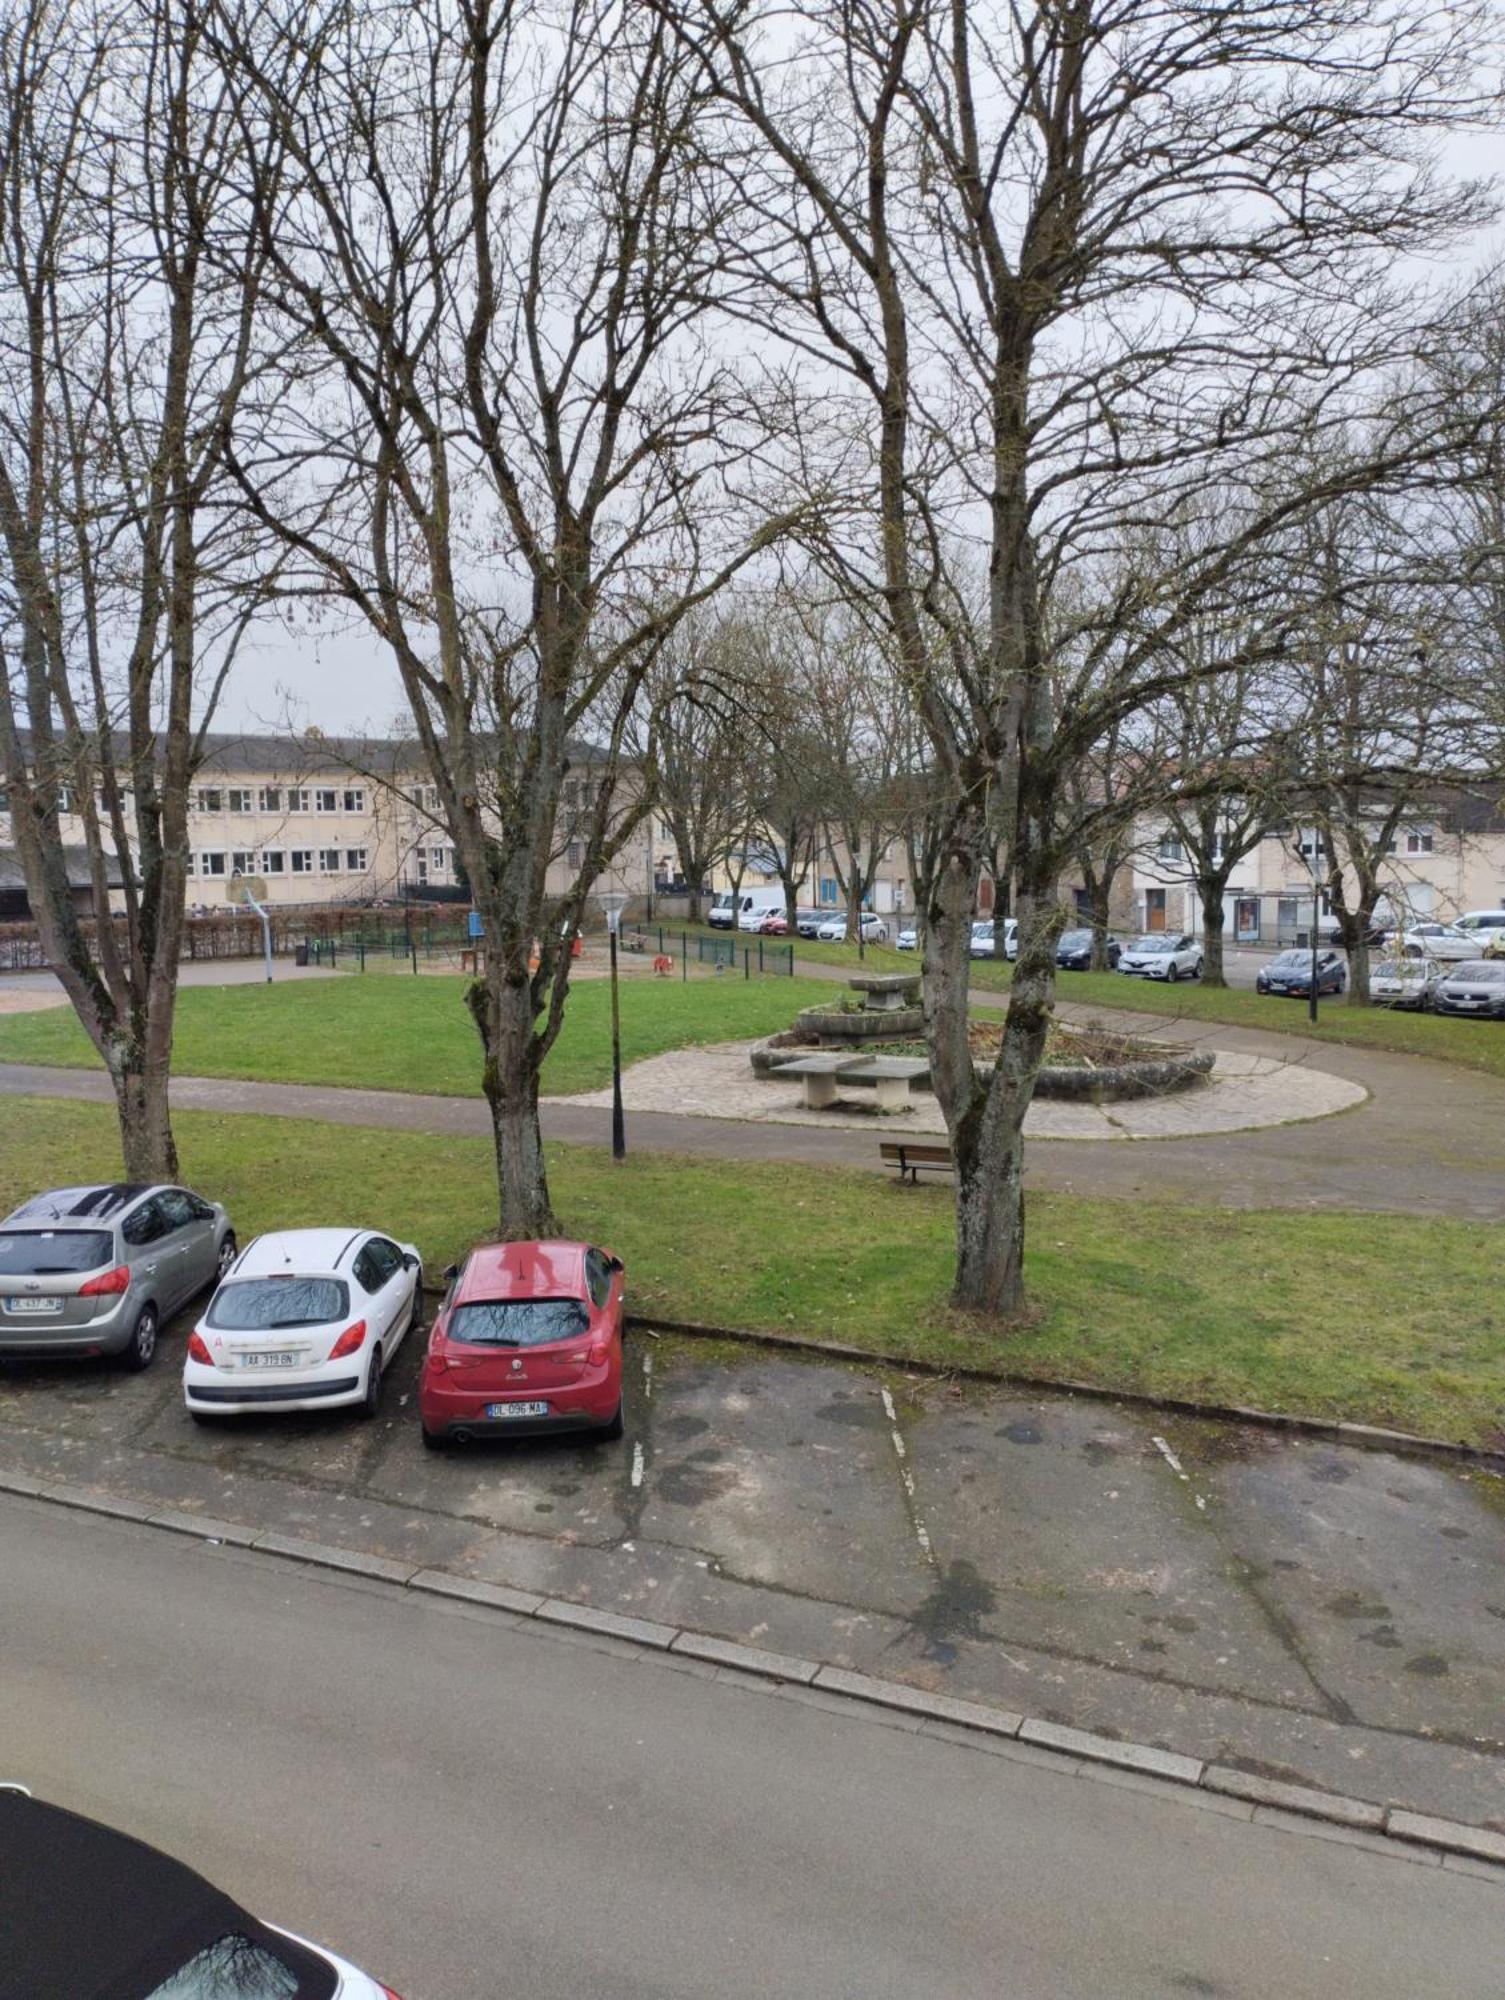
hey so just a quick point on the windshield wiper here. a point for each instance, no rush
(274, 1325)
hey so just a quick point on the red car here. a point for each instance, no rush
(528, 1340)
(775, 924)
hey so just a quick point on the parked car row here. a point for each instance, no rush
(528, 1337)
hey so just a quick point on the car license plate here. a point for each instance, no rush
(33, 1305)
(502, 1410)
(287, 1360)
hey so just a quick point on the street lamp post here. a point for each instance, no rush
(613, 902)
(1309, 855)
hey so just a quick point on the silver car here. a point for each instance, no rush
(99, 1270)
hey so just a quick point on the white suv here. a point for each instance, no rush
(1168, 955)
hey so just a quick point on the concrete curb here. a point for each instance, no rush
(1368, 1437)
(1396, 1830)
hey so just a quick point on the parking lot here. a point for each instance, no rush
(1307, 1608)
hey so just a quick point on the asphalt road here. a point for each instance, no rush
(479, 1811)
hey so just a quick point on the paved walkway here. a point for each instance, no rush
(1309, 1610)
(1243, 1092)
(1429, 1140)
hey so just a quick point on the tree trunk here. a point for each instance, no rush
(1211, 894)
(146, 1140)
(986, 1120)
(502, 1009)
(694, 911)
(1358, 968)
(1101, 903)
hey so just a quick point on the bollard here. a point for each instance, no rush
(760, 953)
(361, 948)
(414, 945)
(746, 961)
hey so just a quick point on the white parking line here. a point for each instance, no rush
(1176, 1466)
(648, 1375)
(637, 1465)
(921, 1532)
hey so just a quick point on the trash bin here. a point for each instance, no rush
(300, 953)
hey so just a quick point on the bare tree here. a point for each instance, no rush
(128, 336)
(524, 461)
(1064, 267)
(697, 729)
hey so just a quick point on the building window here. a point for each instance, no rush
(431, 797)
(211, 862)
(354, 801)
(828, 888)
(240, 799)
(273, 861)
(211, 801)
(297, 799)
(329, 860)
(1170, 848)
(572, 854)
(355, 860)
(188, 867)
(1419, 840)
(326, 801)
(243, 863)
(302, 859)
(271, 799)
(436, 860)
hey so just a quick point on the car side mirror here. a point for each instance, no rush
(451, 1271)
(615, 1264)
(410, 1261)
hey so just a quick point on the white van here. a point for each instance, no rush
(746, 910)
(1484, 925)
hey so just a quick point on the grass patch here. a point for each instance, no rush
(1390, 1321)
(415, 1034)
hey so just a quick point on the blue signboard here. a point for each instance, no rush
(475, 924)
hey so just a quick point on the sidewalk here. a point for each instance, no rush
(1306, 1611)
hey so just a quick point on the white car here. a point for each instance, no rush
(983, 939)
(1168, 955)
(834, 929)
(1441, 941)
(305, 1319)
(1486, 928)
(1403, 982)
(908, 939)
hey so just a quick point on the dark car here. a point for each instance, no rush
(1074, 951)
(1291, 973)
(1475, 987)
(808, 922)
(90, 1914)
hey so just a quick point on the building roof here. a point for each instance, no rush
(75, 859)
(236, 752)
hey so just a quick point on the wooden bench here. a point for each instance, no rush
(911, 1158)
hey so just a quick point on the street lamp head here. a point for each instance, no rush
(613, 902)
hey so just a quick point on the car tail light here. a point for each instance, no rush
(197, 1351)
(387, 1992)
(600, 1348)
(349, 1341)
(108, 1284)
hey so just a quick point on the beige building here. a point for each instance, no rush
(1447, 858)
(318, 821)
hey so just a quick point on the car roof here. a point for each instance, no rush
(310, 1252)
(545, 1270)
(87, 1206)
(91, 1914)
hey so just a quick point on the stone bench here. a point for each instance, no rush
(819, 1074)
(890, 1077)
(887, 992)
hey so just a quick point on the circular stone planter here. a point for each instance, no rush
(1153, 1076)
(831, 1025)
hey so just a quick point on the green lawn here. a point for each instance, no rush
(1389, 1320)
(415, 1034)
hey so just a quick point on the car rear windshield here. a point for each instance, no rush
(243, 1968)
(518, 1322)
(45, 1253)
(260, 1305)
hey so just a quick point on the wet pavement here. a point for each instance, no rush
(1305, 1609)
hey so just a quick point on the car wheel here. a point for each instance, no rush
(229, 1250)
(371, 1401)
(1196, 971)
(142, 1347)
(614, 1427)
(1171, 974)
